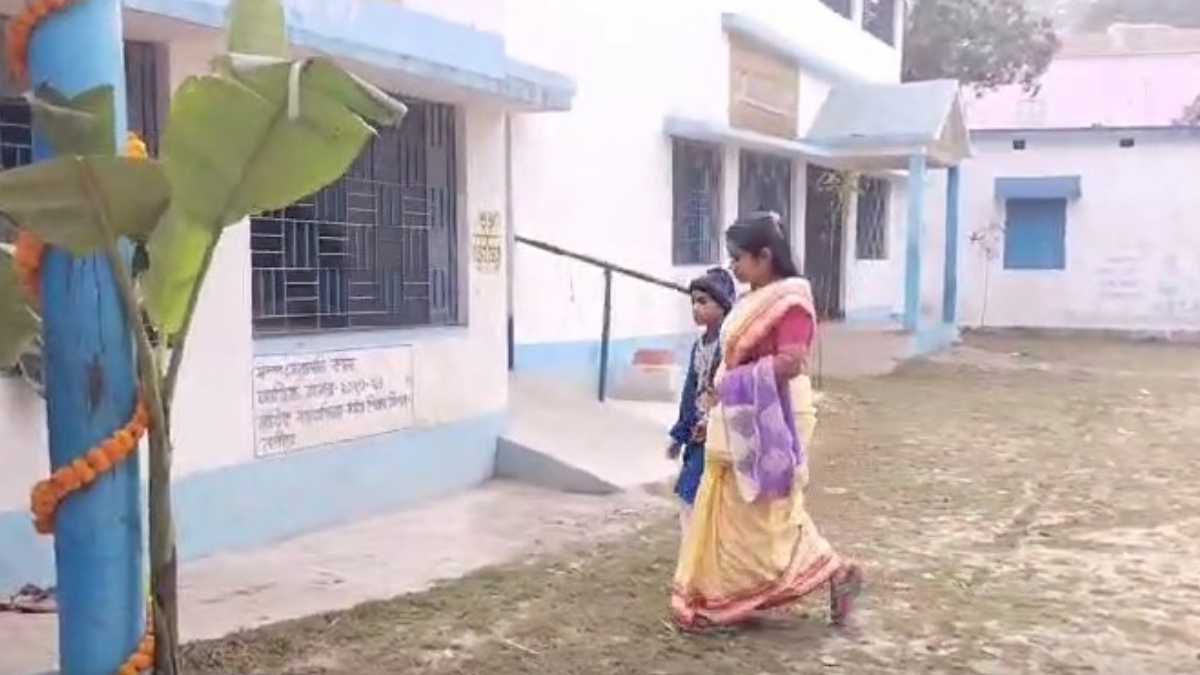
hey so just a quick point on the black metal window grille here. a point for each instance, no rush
(696, 202)
(871, 221)
(377, 248)
(879, 19)
(842, 7)
(765, 184)
(16, 133)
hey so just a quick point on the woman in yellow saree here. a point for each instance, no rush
(751, 545)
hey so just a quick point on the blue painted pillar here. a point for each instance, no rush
(917, 168)
(90, 381)
(950, 272)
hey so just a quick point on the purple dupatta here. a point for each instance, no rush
(761, 429)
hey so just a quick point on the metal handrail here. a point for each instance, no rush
(606, 322)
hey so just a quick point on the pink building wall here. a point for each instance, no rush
(1133, 76)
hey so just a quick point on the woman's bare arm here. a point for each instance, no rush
(790, 361)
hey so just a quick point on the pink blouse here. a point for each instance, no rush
(794, 328)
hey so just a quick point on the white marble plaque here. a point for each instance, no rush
(306, 400)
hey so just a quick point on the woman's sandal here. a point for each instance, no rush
(844, 592)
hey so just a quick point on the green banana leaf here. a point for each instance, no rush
(67, 201)
(256, 27)
(82, 125)
(19, 326)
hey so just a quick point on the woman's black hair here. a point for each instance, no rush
(758, 231)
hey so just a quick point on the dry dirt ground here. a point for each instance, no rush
(1022, 506)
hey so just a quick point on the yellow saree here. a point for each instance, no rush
(739, 557)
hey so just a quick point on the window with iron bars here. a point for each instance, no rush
(879, 19)
(765, 184)
(696, 202)
(871, 222)
(842, 7)
(377, 248)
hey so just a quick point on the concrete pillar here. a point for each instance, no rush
(950, 271)
(917, 167)
(90, 380)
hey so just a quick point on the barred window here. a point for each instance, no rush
(377, 248)
(696, 220)
(765, 184)
(879, 19)
(871, 224)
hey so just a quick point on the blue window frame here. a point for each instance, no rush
(1035, 234)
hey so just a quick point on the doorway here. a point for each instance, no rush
(824, 232)
(765, 184)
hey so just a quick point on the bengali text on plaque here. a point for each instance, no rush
(306, 400)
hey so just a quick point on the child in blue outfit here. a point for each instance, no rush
(712, 296)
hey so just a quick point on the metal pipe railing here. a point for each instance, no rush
(609, 269)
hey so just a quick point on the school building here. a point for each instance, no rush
(353, 352)
(1082, 214)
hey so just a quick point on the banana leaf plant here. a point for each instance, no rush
(257, 133)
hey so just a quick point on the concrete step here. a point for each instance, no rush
(560, 437)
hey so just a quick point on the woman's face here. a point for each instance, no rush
(750, 268)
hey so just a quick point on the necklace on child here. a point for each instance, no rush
(703, 363)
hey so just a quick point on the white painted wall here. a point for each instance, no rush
(598, 179)
(459, 372)
(875, 288)
(1133, 239)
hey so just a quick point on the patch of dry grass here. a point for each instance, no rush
(1022, 506)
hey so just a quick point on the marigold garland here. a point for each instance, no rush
(19, 30)
(135, 147)
(28, 264)
(47, 495)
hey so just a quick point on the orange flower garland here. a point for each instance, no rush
(143, 657)
(49, 493)
(135, 147)
(28, 264)
(19, 30)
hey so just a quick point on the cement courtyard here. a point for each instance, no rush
(1023, 506)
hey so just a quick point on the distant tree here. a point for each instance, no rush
(982, 43)
(1097, 15)
(1190, 114)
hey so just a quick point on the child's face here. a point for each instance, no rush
(705, 311)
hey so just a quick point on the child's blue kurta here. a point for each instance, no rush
(693, 452)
